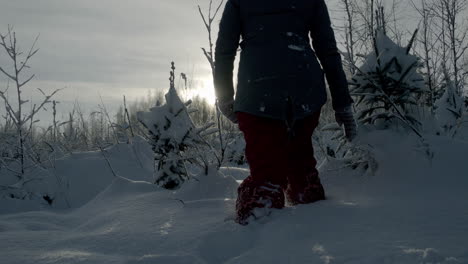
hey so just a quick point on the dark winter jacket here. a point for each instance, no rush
(279, 74)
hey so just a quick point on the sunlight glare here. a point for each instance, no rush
(206, 90)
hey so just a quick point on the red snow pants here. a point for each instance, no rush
(281, 164)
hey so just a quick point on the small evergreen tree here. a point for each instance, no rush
(450, 107)
(175, 139)
(388, 83)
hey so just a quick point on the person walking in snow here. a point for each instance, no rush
(280, 92)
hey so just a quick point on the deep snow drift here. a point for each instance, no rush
(414, 210)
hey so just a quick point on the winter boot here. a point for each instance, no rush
(305, 190)
(256, 199)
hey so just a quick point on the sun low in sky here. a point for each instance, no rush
(202, 87)
(207, 90)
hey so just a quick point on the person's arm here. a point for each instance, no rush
(324, 43)
(226, 49)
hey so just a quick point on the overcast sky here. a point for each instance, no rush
(110, 47)
(107, 47)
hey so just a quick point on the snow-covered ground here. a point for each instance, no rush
(414, 210)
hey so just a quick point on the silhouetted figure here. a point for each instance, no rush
(280, 92)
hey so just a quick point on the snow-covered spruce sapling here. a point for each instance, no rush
(388, 84)
(175, 140)
(450, 108)
(388, 87)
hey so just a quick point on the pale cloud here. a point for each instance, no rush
(110, 46)
(113, 47)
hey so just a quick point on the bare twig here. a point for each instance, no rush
(109, 165)
(210, 57)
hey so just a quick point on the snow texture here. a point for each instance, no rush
(413, 210)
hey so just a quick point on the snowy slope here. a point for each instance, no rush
(414, 210)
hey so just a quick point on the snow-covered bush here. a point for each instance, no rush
(175, 139)
(450, 108)
(357, 155)
(361, 157)
(388, 84)
(235, 150)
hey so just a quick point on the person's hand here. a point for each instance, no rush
(227, 108)
(345, 117)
